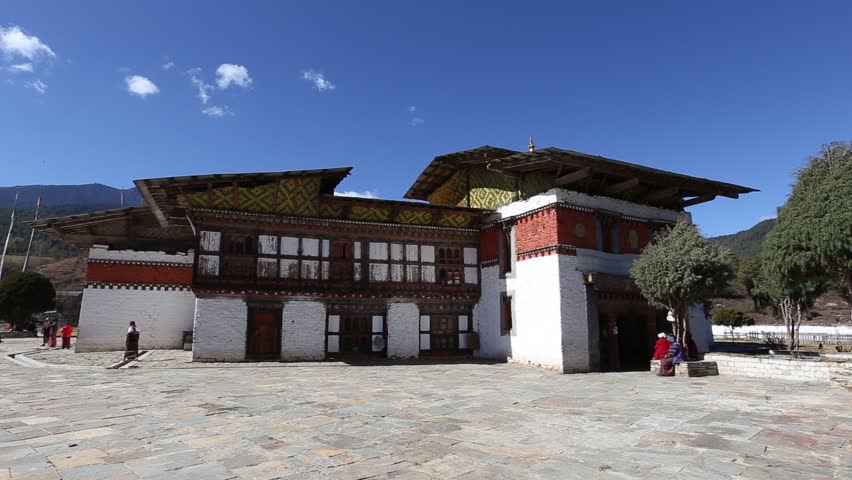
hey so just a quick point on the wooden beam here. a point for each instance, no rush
(661, 194)
(573, 177)
(697, 200)
(621, 186)
(730, 195)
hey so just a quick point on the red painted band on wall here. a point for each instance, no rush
(144, 274)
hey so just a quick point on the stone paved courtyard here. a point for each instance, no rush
(169, 419)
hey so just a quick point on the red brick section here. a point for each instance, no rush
(139, 273)
(539, 230)
(642, 235)
(488, 244)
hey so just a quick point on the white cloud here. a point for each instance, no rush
(21, 67)
(203, 88)
(216, 111)
(168, 65)
(14, 42)
(412, 108)
(352, 193)
(228, 74)
(318, 79)
(141, 86)
(37, 85)
(416, 121)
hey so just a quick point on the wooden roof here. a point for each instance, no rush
(123, 228)
(442, 167)
(586, 173)
(163, 194)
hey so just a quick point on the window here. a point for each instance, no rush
(506, 323)
(506, 248)
(303, 258)
(407, 263)
(209, 244)
(450, 266)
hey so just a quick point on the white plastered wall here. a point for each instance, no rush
(303, 330)
(220, 329)
(574, 316)
(536, 336)
(160, 315)
(403, 330)
(701, 328)
(493, 345)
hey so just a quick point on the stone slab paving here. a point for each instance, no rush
(466, 421)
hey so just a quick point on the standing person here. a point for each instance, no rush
(673, 357)
(54, 330)
(661, 348)
(45, 332)
(131, 344)
(691, 347)
(66, 332)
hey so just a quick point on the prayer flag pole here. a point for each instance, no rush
(32, 234)
(8, 235)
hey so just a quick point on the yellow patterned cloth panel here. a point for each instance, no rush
(330, 210)
(452, 192)
(414, 217)
(223, 198)
(258, 199)
(198, 199)
(455, 220)
(536, 183)
(490, 189)
(370, 214)
(298, 196)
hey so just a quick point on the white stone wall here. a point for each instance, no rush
(486, 317)
(780, 367)
(403, 330)
(576, 328)
(160, 315)
(100, 252)
(220, 329)
(537, 321)
(701, 328)
(594, 261)
(556, 195)
(303, 331)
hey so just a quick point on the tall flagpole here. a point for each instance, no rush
(32, 233)
(8, 235)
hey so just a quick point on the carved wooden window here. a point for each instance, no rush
(450, 266)
(209, 247)
(445, 332)
(303, 258)
(506, 322)
(506, 249)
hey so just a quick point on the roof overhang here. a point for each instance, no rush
(164, 195)
(442, 167)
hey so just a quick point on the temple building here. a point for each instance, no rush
(497, 254)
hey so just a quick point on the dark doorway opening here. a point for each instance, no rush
(263, 335)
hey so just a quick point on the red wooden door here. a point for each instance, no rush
(341, 260)
(356, 335)
(264, 334)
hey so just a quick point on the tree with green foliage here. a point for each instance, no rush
(747, 272)
(732, 318)
(23, 294)
(812, 238)
(789, 297)
(680, 268)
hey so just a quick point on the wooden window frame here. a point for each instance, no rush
(506, 324)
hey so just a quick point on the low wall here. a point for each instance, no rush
(781, 367)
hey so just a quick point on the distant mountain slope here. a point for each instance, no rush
(55, 195)
(746, 243)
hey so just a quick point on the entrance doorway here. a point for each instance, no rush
(356, 335)
(623, 342)
(263, 335)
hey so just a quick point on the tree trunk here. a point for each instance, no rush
(786, 307)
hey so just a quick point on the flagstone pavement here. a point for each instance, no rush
(174, 420)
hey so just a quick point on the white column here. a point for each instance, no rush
(219, 334)
(403, 330)
(303, 331)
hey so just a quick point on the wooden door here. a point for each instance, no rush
(444, 333)
(263, 338)
(341, 260)
(356, 337)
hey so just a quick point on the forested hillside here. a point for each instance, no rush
(746, 243)
(43, 246)
(56, 195)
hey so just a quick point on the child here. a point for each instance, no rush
(66, 332)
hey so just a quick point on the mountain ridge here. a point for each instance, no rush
(56, 195)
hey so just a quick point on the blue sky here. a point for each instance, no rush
(735, 91)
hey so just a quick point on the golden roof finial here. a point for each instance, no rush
(531, 145)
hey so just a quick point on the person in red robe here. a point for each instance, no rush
(691, 347)
(54, 330)
(661, 348)
(66, 332)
